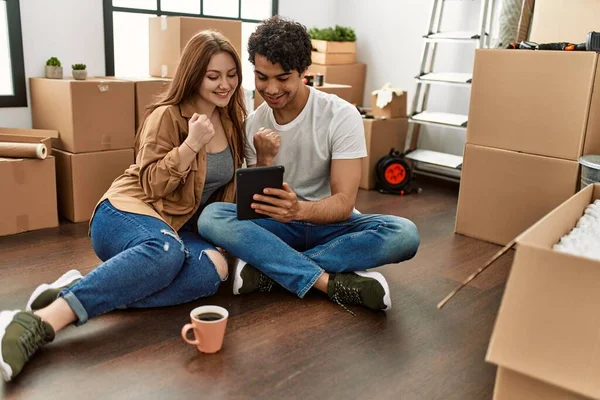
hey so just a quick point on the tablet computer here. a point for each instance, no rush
(251, 181)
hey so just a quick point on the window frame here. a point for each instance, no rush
(17, 63)
(109, 48)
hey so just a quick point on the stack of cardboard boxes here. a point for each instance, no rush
(95, 121)
(545, 340)
(384, 130)
(29, 185)
(336, 61)
(532, 115)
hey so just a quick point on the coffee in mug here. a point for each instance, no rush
(208, 324)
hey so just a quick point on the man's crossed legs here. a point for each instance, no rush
(299, 255)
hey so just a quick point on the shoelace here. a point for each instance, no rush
(346, 295)
(265, 284)
(32, 339)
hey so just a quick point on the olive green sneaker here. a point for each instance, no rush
(21, 335)
(247, 279)
(46, 293)
(369, 289)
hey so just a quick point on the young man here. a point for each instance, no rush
(313, 239)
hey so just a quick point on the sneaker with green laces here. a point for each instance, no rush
(369, 289)
(46, 293)
(21, 334)
(247, 279)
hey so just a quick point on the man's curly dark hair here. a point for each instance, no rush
(281, 41)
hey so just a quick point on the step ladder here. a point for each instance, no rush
(427, 162)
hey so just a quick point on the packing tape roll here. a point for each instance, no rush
(23, 150)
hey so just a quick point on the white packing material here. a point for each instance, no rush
(584, 239)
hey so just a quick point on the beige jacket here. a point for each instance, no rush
(154, 186)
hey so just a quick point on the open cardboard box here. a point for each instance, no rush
(28, 201)
(546, 341)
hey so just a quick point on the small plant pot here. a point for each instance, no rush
(80, 74)
(53, 72)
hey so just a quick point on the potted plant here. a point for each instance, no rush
(53, 68)
(79, 71)
(339, 39)
(333, 46)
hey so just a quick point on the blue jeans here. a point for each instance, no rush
(296, 254)
(144, 265)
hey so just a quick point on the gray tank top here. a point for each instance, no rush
(219, 171)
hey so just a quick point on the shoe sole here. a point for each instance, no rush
(387, 299)
(237, 276)
(66, 279)
(5, 318)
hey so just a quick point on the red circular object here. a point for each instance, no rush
(395, 174)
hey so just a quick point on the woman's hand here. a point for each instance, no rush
(200, 132)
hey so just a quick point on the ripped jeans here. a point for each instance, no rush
(144, 265)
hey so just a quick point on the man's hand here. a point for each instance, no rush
(281, 204)
(266, 143)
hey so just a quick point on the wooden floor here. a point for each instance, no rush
(277, 346)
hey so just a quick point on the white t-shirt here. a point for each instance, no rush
(328, 128)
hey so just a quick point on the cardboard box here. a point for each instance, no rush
(333, 58)
(548, 322)
(381, 136)
(395, 109)
(82, 179)
(537, 102)
(512, 385)
(147, 90)
(564, 20)
(502, 193)
(90, 115)
(28, 201)
(342, 91)
(169, 36)
(349, 74)
(325, 46)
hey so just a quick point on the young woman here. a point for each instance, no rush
(143, 229)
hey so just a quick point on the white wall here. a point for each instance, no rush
(71, 30)
(311, 13)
